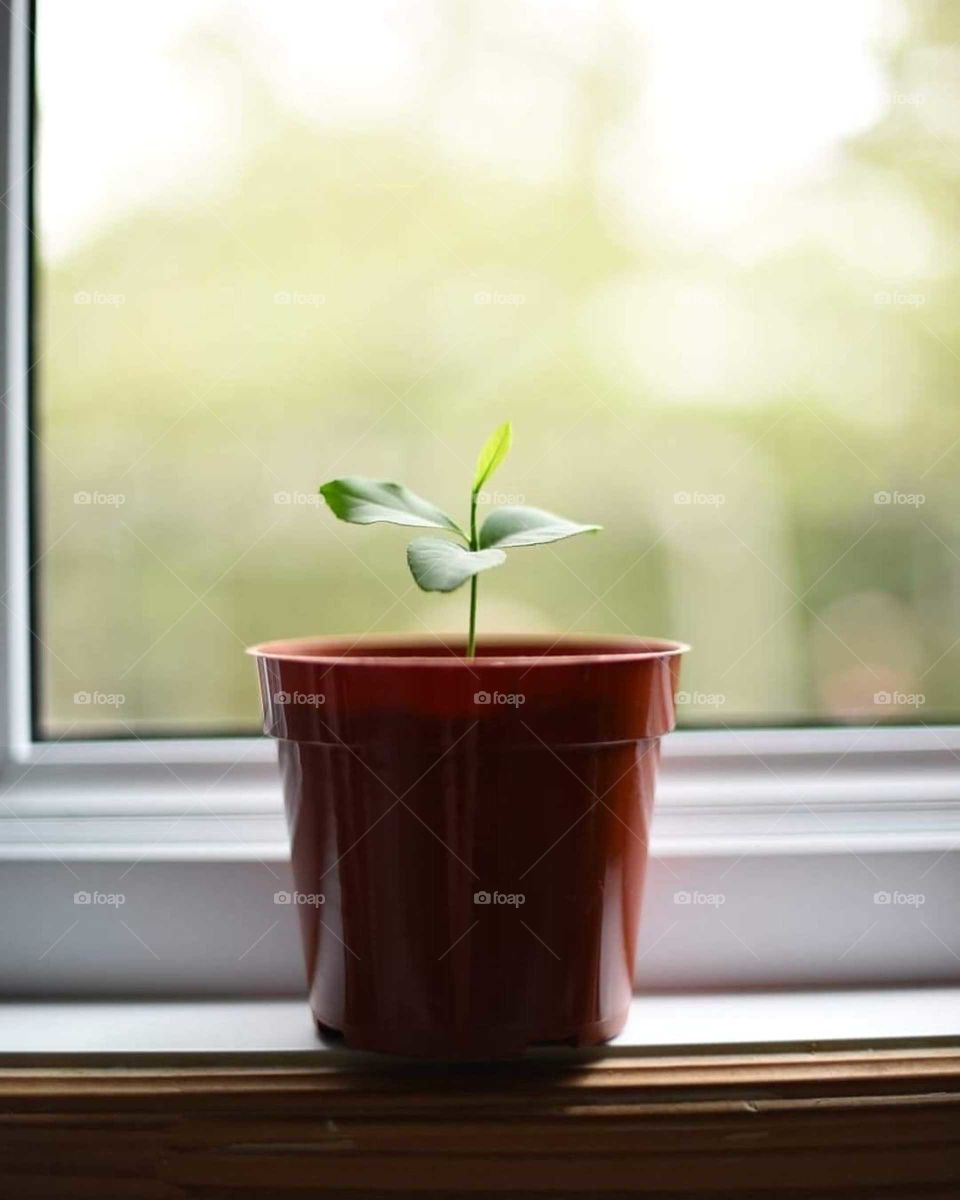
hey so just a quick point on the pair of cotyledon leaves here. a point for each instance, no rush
(439, 564)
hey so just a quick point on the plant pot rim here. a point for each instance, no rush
(445, 652)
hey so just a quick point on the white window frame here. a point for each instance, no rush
(785, 818)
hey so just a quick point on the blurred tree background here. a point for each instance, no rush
(703, 256)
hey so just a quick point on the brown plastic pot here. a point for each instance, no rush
(469, 838)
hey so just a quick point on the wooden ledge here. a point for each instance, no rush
(837, 1123)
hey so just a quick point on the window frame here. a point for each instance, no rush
(887, 795)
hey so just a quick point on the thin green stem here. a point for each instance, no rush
(472, 636)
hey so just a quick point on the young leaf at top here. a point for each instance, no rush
(367, 501)
(494, 451)
(438, 565)
(517, 525)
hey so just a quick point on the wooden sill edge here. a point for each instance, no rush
(704, 1124)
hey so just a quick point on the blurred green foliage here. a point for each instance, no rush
(354, 298)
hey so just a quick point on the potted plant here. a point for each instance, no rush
(469, 827)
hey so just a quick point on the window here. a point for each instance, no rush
(713, 288)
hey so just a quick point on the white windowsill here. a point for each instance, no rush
(761, 791)
(117, 1030)
(798, 830)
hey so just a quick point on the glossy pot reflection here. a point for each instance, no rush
(477, 833)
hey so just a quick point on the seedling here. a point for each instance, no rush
(440, 564)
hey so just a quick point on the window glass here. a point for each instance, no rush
(703, 256)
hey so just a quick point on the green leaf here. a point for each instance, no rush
(516, 525)
(368, 501)
(439, 565)
(492, 455)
